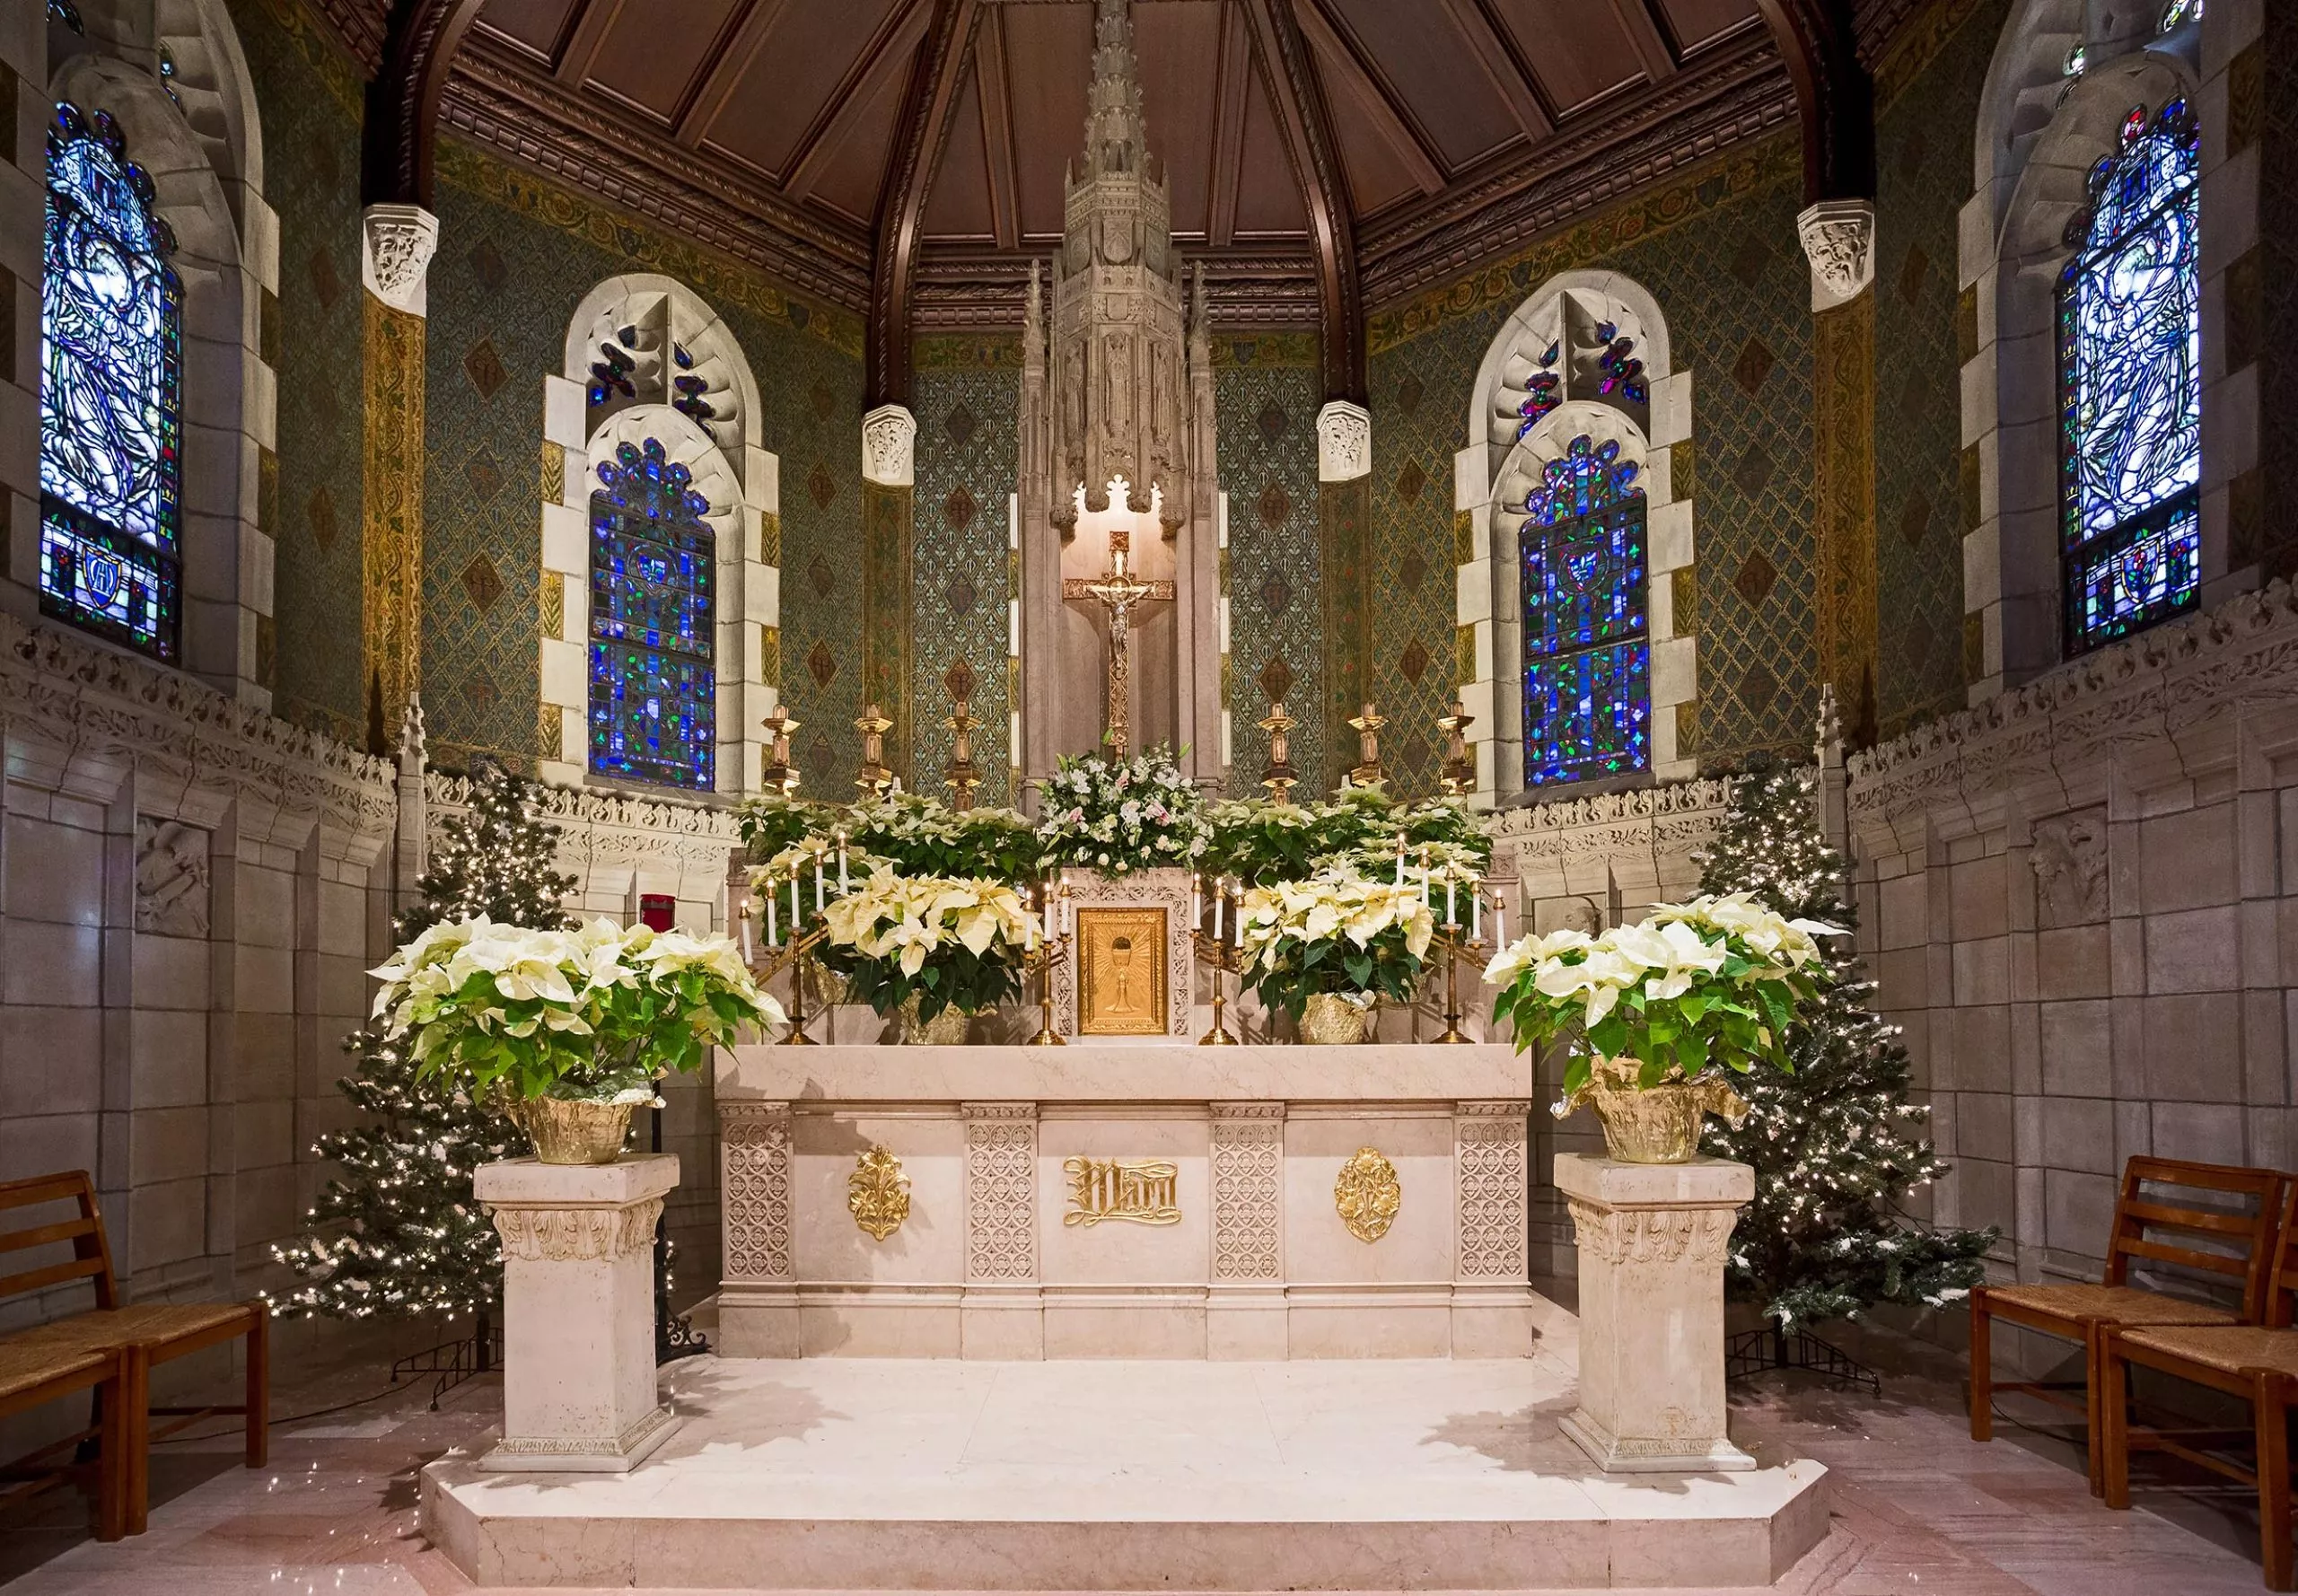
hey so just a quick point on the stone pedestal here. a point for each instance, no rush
(578, 1313)
(1651, 1240)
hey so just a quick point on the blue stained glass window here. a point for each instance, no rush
(1587, 651)
(111, 381)
(2130, 386)
(654, 572)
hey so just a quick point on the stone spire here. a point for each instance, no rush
(1116, 136)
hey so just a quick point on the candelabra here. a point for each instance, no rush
(1223, 959)
(1050, 952)
(1455, 938)
(792, 956)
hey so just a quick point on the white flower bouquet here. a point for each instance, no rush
(590, 1014)
(947, 942)
(1713, 983)
(1338, 934)
(1120, 816)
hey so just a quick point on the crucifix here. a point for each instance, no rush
(1120, 592)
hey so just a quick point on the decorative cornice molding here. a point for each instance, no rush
(1603, 808)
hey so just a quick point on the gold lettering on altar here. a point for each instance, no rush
(1122, 967)
(1145, 1191)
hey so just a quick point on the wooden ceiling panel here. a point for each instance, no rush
(853, 163)
(535, 27)
(767, 114)
(1179, 46)
(1048, 59)
(1419, 59)
(1269, 204)
(1695, 23)
(1377, 175)
(1578, 48)
(958, 208)
(655, 69)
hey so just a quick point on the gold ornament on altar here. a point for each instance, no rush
(962, 776)
(1280, 776)
(1145, 1191)
(1458, 778)
(1367, 771)
(878, 1193)
(1122, 958)
(873, 778)
(780, 775)
(1367, 1195)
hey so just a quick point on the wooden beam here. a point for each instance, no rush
(401, 130)
(1232, 84)
(592, 18)
(1645, 36)
(937, 74)
(1299, 100)
(1387, 119)
(996, 94)
(1511, 76)
(888, 52)
(756, 21)
(1833, 91)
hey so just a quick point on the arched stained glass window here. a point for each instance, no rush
(2130, 386)
(1587, 653)
(654, 571)
(112, 363)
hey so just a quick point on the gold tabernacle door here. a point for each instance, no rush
(1122, 967)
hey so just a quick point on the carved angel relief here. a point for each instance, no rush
(2069, 859)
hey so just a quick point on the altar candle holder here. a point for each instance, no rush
(1456, 939)
(792, 956)
(1051, 950)
(1222, 958)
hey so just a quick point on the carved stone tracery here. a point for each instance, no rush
(1001, 1192)
(1491, 1174)
(1247, 1191)
(754, 1175)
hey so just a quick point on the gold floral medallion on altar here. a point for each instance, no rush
(1122, 990)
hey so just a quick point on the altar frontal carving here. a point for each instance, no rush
(1145, 1191)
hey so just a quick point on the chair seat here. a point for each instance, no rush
(2110, 1304)
(27, 1365)
(156, 1325)
(2231, 1349)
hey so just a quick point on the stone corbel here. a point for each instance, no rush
(396, 242)
(889, 447)
(1343, 442)
(1839, 239)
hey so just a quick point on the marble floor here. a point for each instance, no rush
(1917, 1507)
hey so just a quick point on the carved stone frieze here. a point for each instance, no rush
(754, 1181)
(577, 1235)
(1001, 1192)
(1652, 1235)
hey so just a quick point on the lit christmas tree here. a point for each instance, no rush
(1837, 1146)
(397, 1230)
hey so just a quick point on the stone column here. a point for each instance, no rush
(397, 244)
(1245, 1313)
(1651, 1240)
(1838, 238)
(1344, 574)
(578, 1313)
(1001, 1314)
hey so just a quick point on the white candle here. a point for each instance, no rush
(773, 938)
(1196, 901)
(1424, 881)
(1475, 915)
(1399, 858)
(1499, 922)
(795, 918)
(820, 886)
(1220, 900)
(746, 934)
(1449, 917)
(1068, 916)
(842, 887)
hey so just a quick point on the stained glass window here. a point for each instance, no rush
(111, 381)
(653, 570)
(1587, 655)
(2130, 386)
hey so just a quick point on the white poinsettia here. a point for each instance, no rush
(945, 939)
(1339, 932)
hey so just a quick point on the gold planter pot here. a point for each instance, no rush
(1334, 1020)
(945, 1029)
(1652, 1124)
(572, 1130)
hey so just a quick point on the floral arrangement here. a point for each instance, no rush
(947, 942)
(1339, 932)
(1714, 982)
(594, 1013)
(1261, 843)
(773, 822)
(921, 836)
(1120, 816)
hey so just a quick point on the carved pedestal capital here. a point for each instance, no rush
(396, 242)
(889, 447)
(1839, 239)
(1344, 442)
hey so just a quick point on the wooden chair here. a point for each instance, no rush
(144, 1333)
(32, 1375)
(2257, 1362)
(2152, 1229)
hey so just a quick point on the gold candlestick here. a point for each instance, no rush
(792, 956)
(962, 774)
(874, 779)
(1458, 778)
(1222, 958)
(1051, 953)
(1280, 778)
(780, 775)
(1367, 771)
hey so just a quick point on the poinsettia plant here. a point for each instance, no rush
(946, 941)
(1336, 933)
(1709, 984)
(593, 1014)
(1359, 827)
(1117, 816)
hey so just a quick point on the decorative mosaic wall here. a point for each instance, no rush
(515, 257)
(309, 98)
(1922, 177)
(966, 396)
(1717, 249)
(2262, 290)
(1268, 392)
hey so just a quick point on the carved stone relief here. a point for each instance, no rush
(754, 1173)
(399, 239)
(1001, 1192)
(1840, 240)
(1343, 442)
(171, 878)
(1490, 1169)
(890, 446)
(1248, 1194)
(2069, 859)
(1652, 1235)
(577, 1235)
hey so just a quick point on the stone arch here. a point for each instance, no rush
(1502, 462)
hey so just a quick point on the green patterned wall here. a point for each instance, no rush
(966, 396)
(516, 256)
(1923, 134)
(2262, 292)
(309, 95)
(1266, 392)
(1717, 249)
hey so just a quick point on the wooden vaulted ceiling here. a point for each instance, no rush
(766, 127)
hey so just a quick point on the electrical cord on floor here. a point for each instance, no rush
(397, 1388)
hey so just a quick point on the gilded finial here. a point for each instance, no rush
(1458, 778)
(1367, 771)
(963, 775)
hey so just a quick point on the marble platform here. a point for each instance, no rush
(1251, 1253)
(837, 1473)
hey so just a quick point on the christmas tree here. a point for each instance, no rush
(1837, 1146)
(397, 1230)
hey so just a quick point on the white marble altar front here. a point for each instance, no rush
(993, 1259)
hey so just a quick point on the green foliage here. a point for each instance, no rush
(1261, 842)
(1336, 933)
(955, 978)
(920, 834)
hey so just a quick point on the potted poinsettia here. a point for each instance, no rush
(1323, 950)
(1659, 1014)
(569, 1029)
(939, 949)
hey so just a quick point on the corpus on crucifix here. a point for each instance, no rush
(1122, 594)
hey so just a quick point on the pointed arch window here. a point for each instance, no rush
(2130, 387)
(653, 615)
(1587, 651)
(112, 380)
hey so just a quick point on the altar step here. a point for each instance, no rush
(851, 1474)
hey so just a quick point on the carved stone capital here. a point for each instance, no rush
(577, 1235)
(889, 447)
(396, 242)
(1344, 442)
(1839, 239)
(1696, 1236)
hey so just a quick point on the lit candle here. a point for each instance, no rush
(746, 934)
(1068, 916)
(1475, 915)
(1499, 921)
(820, 885)
(1450, 919)
(1220, 900)
(842, 887)
(795, 916)
(1424, 878)
(1196, 901)
(1399, 858)
(773, 938)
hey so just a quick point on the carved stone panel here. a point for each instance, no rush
(171, 878)
(1492, 1177)
(1248, 1192)
(754, 1173)
(1001, 1192)
(1652, 1235)
(577, 1235)
(2069, 859)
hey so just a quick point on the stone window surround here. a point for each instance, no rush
(743, 483)
(2036, 137)
(209, 188)
(1488, 603)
